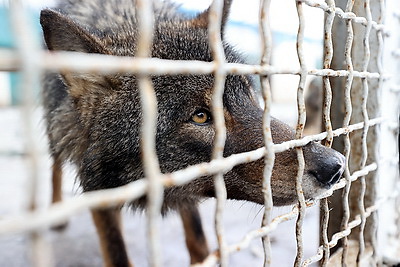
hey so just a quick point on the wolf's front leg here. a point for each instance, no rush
(196, 241)
(108, 225)
(56, 183)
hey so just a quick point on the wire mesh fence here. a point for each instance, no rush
(370, 58)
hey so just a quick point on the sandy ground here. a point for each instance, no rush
(78, 244)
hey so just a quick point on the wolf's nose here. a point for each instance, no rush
(331, 171)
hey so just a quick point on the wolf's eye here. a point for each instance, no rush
(201, 117)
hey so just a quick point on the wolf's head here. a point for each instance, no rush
(108, 107)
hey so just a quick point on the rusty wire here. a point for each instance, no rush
(328, 55)
(301, 109)
(326, 116)
(346, 122)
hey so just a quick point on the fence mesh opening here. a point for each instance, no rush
(359, 215)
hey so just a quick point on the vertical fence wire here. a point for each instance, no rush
(364, 154)
(28, 47)
(324, 230)
(301, 108)
(346, 122)
(328, 55)
(266, 45)
(214, 31)
(327, 99)
(144, 9)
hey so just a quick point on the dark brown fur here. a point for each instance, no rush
(93, 120)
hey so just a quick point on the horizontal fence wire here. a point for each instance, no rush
(26, 58)
(113, 197)
(107, 64)
(342, 14)
(354, 223)
(245, 243)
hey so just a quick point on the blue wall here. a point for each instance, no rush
(7, 41)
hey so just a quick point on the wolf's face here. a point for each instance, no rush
(109, 115)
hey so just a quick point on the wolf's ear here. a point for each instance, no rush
(62, 34)
(201, 20)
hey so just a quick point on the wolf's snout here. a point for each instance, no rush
(331, 171)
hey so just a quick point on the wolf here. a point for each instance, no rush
(93, 120)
